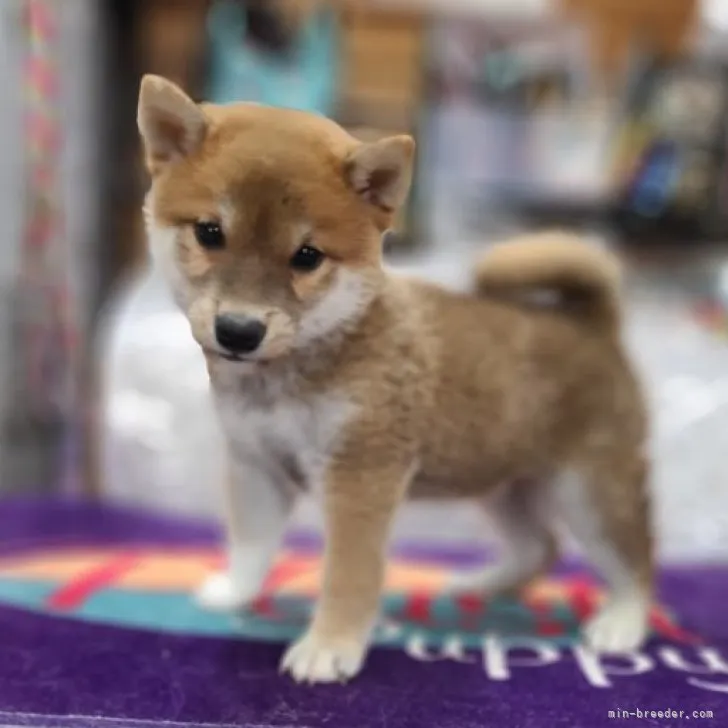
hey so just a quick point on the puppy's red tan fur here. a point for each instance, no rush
(368, 388)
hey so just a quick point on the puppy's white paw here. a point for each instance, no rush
(621, 626)
(315, 659)
(219, 593)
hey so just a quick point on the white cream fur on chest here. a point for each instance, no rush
(283, 434)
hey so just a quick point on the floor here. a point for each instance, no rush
(99, 632)
(157, 423)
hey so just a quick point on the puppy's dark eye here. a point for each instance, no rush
(209, 235)
(306, 259)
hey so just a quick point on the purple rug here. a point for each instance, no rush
(99, 630)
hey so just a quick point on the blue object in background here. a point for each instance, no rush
(239, 71)
(653, 189)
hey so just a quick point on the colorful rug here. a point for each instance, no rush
(99, 630)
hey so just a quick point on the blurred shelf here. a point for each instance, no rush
(487, 9)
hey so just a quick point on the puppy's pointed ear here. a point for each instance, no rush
(381, 171)
(172, 125)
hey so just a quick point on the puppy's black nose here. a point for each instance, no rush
(239, 334)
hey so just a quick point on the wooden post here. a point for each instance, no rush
(616, 27)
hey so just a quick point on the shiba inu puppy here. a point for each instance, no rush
(333, 375)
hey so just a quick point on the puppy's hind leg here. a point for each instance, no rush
(605, 506)
(519, 513)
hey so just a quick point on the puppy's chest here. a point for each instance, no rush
(291, 436)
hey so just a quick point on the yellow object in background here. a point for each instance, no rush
(631, 146)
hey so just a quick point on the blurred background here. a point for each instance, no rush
(608, 116)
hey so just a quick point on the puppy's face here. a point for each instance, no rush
(267, 222)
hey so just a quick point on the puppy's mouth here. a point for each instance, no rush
(229, 356)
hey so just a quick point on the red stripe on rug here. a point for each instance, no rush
(74, 594)
(417, 607)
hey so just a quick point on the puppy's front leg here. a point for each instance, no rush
(258, 505)
(359, 507)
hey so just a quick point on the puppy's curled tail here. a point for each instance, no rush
(584, 278)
